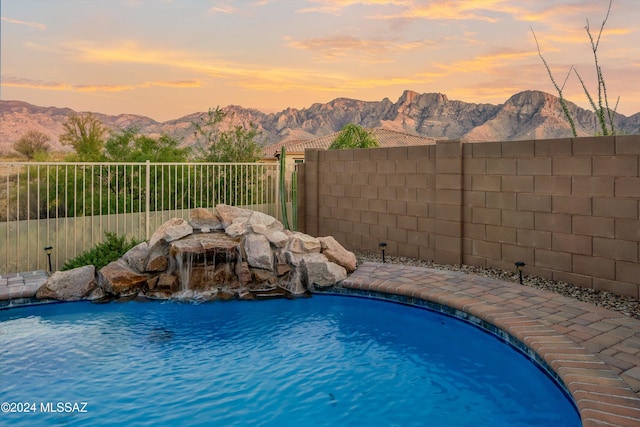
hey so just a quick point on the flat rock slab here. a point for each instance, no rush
(203, 243)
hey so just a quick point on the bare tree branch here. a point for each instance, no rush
(563, 104)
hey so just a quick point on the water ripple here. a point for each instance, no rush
(321, 361)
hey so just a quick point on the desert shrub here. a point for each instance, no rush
(103, 253)
(33, 144)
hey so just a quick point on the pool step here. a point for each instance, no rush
(18, 286)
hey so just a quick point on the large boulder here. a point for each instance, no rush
(322, 275)
(203, 244)
(72, 285)
(229, 214)
(278, 238)
(243, 273)
(262, 223)
(136, 257)
(174, 229)
(338, 254)
(238, 222)
(237, 229)
(117, 278)
(156, 263)
(163, 283)
(261, 277)
(296, 259)
(258, 250)
(204, 221)
(303, 243)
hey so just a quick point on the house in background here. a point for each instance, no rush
(295, 148)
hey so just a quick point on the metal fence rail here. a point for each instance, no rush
(70, 206)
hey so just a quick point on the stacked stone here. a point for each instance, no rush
(232, 253)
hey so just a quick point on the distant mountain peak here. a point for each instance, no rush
(528, 114)
(411, 97)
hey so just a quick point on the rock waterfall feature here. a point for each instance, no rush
(232, 253)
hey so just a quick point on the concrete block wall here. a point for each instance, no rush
(568, 208)
(364, 197)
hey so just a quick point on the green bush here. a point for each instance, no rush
(103, 253)
(354, 136)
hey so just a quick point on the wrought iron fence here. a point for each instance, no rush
(70, 206)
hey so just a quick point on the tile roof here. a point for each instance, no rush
(270, 151)
(386, 138)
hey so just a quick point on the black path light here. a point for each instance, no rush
(383, 246)
(520, 266)
(48, 250)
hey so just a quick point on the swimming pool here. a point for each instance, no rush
(327, 360)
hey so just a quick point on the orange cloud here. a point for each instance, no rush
(246, 76)
(336, 6)
(33, 84)
(349, 46)
(102, 88)
(484, 93)
(36, 84)
(134, 53)
(486, 63)
(318, 81)
(323, 82)
(243, 75)
(222, 8)
(35, 25)
(178, 84)
(455, 10)
(120, 88)
(558, 15)
(123, 52)
(408, 80)
(618, 31)
(549, 41)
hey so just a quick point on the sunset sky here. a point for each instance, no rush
(168, 58)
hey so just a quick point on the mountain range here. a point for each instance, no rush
(526, 115)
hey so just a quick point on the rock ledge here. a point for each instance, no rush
(233, 253)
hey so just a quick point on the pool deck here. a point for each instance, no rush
(594, 351)
(21, 285)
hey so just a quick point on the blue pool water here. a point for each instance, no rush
(323, 361)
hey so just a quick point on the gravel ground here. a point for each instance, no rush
(625, 305)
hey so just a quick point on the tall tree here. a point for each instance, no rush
(235, 145)
(86, 134)
(33, 144)
(354, 136)
(232, 185)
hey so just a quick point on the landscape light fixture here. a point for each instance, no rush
(383, 246)
(520, 266)
(48, 250)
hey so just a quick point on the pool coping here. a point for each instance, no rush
(594, 352)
